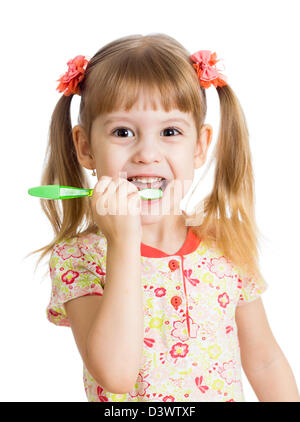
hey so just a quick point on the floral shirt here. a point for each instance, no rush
(191, 350)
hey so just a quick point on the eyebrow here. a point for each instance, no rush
(174, 119)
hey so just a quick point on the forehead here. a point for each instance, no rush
(147, 108)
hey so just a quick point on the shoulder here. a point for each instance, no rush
(76, 269)
(78, 247)
(92, 242)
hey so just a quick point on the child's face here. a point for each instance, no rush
(141, 142)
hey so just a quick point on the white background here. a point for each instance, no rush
(258, 42)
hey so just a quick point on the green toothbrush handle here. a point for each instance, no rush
(59, 192)
(66, 192)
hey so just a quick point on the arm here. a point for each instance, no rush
(109, 329)
(115, 339)
(262, 359)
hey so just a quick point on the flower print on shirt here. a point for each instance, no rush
(190, 345)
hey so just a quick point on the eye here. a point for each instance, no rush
(124, 129)
(173, 128)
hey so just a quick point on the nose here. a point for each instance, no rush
(147, 151)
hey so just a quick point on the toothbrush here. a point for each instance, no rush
(66, 192)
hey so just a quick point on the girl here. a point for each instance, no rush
(164, 306)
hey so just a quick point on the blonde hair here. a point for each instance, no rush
(113, 80)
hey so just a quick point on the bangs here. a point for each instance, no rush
(116, 83)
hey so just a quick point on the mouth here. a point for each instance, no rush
(143, 183)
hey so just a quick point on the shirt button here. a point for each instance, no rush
(173, 264)
(176, 302)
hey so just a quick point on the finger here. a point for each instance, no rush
(102, 188)
(134, 203)
(111, 195)
(100, 206)
(106, 188)
(125, 188)
(102, 184)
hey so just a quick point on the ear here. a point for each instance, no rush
(202, 146)
(83, 149)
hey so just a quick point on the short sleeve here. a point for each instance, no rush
(75, 271)
(250, 288)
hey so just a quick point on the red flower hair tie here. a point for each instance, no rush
(70, 80)
(204, 63)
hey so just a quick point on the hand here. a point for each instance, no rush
(116, 208)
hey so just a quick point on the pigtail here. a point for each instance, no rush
(113, 80)
(228, 218)
(61, 167)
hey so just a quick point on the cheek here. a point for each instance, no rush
(182, 186)
(110, 164)
(185, 174)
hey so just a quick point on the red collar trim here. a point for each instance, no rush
(190, 245)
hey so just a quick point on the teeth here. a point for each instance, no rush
(146, 179)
